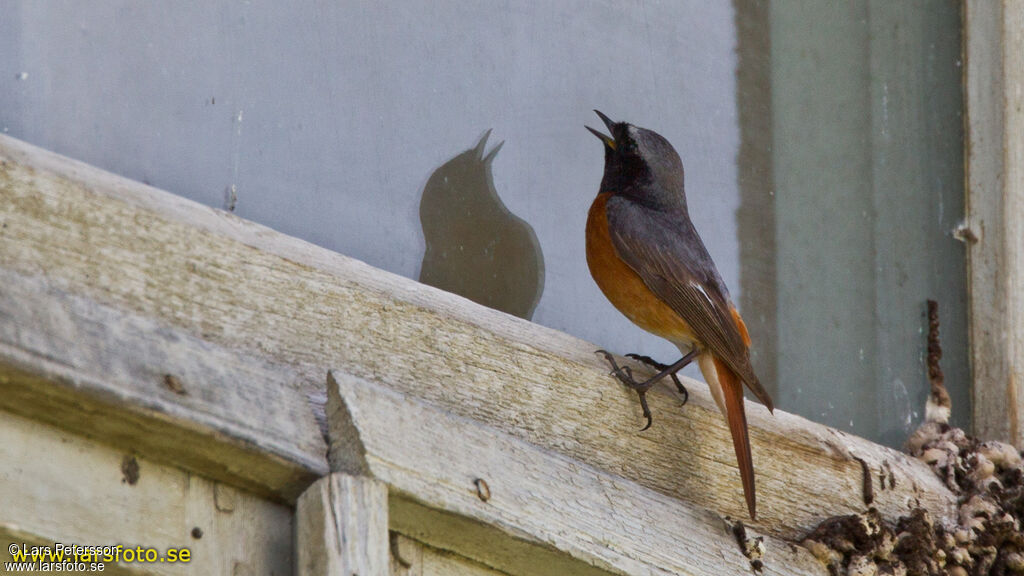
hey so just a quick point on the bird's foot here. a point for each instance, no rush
(625, 375)
(661, 367)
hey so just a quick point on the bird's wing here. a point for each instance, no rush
(669, 256)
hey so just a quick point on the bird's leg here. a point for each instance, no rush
(659, 366)
(625, 375)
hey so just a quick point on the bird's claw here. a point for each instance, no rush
(647, 411)
(659, 366)
(647, 360)
(625, 375)
(682, 390)
(616, 370)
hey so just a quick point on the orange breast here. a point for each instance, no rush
(624, 287)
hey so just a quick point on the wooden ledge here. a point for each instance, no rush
(113, 273)
(533, 502)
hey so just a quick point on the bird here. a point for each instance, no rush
(648, 259)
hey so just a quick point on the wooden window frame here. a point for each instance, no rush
(994, 230)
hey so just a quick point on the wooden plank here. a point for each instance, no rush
(527, 494)
(1013, 218)
(342, 527)
(157, 390)
(412, 558)
(484, 543)
(60, 487)
(239, 286)
(994, 232)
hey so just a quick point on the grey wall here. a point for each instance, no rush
(328, 118)
(865, 210)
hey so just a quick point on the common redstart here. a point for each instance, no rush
(649, 261)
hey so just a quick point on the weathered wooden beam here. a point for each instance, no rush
(525, 496)
(60, 487)
(237, 286)
(158, 390)
(341, 527)
(994, 231)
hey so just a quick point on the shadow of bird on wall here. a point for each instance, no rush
(475, 247)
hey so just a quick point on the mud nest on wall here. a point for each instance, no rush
(988, 480)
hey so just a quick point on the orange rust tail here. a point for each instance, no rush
(741, 326)
(732, 390)
(752, 382)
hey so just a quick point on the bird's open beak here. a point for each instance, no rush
(608, 140)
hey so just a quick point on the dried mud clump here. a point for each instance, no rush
(988, 480)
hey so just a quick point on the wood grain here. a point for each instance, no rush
(159, 390)
(342, 527)
(994, 53)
